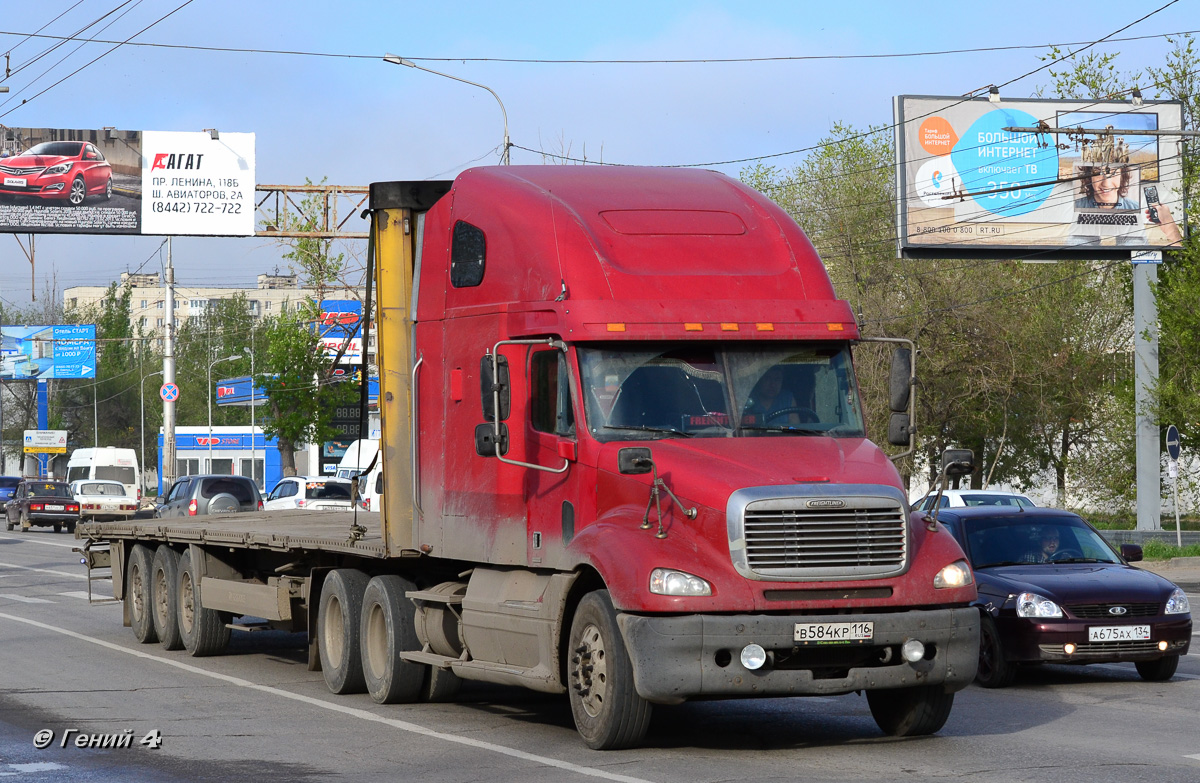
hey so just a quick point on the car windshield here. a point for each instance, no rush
(9, 482)
(116, 473)
(982, 499)
(97, 488)
(639, 391)
(50, 490)
(243, 490)
(1012, 540)
(68, 148)
(327, 490)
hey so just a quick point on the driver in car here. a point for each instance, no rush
(1049, 545)
(767, 398)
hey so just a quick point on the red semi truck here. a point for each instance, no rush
(624, 459)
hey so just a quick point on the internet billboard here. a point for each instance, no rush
(30, 353)
(108, 181)
(979, 177)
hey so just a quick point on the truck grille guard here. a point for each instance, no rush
(810, 532)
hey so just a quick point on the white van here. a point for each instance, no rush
(358, 457)
(108, 463)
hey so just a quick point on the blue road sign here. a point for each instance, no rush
(1173, 441)
(169, 392)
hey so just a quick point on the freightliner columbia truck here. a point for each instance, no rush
(624, 459)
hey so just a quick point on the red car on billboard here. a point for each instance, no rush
(57, 170)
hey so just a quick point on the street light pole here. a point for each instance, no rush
(396, 59)
(210, 366)
(142, 399)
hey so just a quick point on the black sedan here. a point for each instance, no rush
(42, 502)
(1053, 590)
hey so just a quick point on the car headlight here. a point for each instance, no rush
(1034, 605)
(668, 581)
(1178, 603)
(957, 574)
(59, 168)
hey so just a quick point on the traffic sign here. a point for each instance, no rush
(169, 392)
(1173, 442)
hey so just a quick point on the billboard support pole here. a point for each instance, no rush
(168, 472)
(1145, 328)
(43, 414)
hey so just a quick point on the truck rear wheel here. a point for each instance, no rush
(608, 711)
(203, 631)
(339, 618)
(164, 592)
(386, 631)
(910, 712)
(137, 594)
(441, 685)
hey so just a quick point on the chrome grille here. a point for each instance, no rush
(1092, 611)
(22, 171)
(818, 531)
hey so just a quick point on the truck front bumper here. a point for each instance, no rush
(688, 656)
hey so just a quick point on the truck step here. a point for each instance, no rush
(433, 659)
(263, 626)
(434, 597)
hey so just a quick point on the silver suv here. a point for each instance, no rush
(193, 496)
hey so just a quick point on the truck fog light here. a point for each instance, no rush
(1069, 648)
(1162, 646)
(913, 650)
(753, 656)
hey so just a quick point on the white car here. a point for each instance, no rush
(103, 501)
(959, 498)
(322, 493)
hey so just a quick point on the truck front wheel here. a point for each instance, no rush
(339, 618)
(608, 711)
(910, 712)
(137, 594)
(387, 630)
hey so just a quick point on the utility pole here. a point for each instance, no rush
(169, 376)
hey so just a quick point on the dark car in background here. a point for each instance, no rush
(1053, 590)
(193, 496)
(8, 485)
(42, 502)
(58, 171)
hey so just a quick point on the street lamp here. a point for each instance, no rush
(210, 366)
(396, 59)
(142, 398)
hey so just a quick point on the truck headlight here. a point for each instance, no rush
(668, 581)
(1178, 603)
(1034, 605)
(957, 574)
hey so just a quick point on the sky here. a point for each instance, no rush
(353, 119)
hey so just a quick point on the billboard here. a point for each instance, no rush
(341, 319)
(108, 181)
(42, 352)
(45, 441)
(969, 182)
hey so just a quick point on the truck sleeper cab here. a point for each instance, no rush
(625, 458)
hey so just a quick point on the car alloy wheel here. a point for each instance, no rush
(78, 192)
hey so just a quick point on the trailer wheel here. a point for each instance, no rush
(609, 713)
(203, 631)
(137, 593)
(338, 628)
(164, 592)
(910, 712)
(387, 630)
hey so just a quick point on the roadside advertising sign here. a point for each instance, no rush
(1060, 178)
(45, 441)
(341, 319)
(41, 352)
(108, 181)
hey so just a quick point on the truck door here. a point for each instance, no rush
(552, 498)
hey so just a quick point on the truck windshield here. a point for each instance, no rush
(639, 391)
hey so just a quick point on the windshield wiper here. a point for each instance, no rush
(644, 428)
(801, 430)
(1080, 560)
(1004, 563)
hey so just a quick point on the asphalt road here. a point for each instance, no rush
(69, 667)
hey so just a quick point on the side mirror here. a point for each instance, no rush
(1131, 552)
(634, 460)
(958, 462)
(159, 500)
(488, 385)
(899, 429)
(485, 440)
(900, 383)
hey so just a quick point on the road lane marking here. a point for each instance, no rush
(77, 594)
(353, 712)
(43, 570)
(1195, 756)
(25, 599)
(30, 540)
